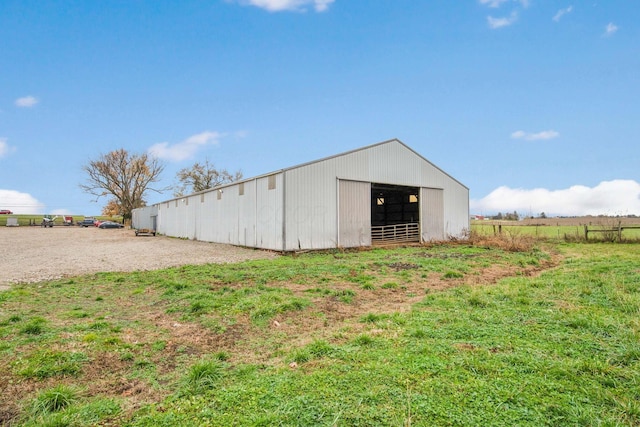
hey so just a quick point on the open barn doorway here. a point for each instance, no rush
(395, 214)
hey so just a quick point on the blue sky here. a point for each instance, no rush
(531, 104)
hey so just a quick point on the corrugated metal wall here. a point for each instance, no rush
(354, 214)
(244, 214)
(144, 217)
(431, 214)
(311, 192)
(297, 208)
(311, 207)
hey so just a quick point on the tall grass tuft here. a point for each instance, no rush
(204, 375)
(55, 399)
(35, 326)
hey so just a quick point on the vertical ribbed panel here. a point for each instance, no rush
(317, 205)
(354, 204)
(432, 214)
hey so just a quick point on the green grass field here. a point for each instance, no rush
(440, 336)
(557, 232)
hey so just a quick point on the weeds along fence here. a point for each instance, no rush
(602, 232)
(609, 234)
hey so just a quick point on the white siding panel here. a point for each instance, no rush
(432, 214)
(143, 217)
(310, 207)
(269, 213)
(354, 207)
(301, 210)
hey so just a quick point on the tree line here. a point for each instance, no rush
(126, 179)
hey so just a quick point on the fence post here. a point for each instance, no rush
(586, 232)
(619, 231)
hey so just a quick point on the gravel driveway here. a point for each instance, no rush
(33, 254)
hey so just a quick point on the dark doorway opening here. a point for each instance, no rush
(395, 213)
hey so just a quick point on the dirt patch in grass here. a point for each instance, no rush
(327, 315)
(153, 355)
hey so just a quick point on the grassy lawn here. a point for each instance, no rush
(446, 335)
(560, 231)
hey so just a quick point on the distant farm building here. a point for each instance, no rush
(381, 193)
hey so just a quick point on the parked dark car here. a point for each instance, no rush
(87, 222)
(5, 212)
(110, 224)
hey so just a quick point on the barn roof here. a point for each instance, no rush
(367, 147)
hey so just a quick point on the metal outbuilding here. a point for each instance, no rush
(381, 193)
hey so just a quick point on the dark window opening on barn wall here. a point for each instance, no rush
(395, 213)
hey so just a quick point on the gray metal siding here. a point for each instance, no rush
(301, 210)
(354, 214)
(143, 217)
(431, 214)
(223, 215)
(310, 207)
(269, 213)
(311, 188)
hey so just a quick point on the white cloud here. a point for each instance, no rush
(497, 3)
(610, 29)
(27, 101)
(617, 197)
(280, 5)
(492, 3)
(184, 149)
(495, 23)
(5, 148)
(20, 203)
(561, 13)
(544, 135)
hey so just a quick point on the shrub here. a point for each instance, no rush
(511, 240)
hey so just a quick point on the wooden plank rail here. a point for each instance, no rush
(617, 230)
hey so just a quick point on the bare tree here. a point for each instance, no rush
(127, 177)
(200, 177)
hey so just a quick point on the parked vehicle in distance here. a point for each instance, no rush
(87, 222)
(110, 224)
(5, 212)
(48, 221)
